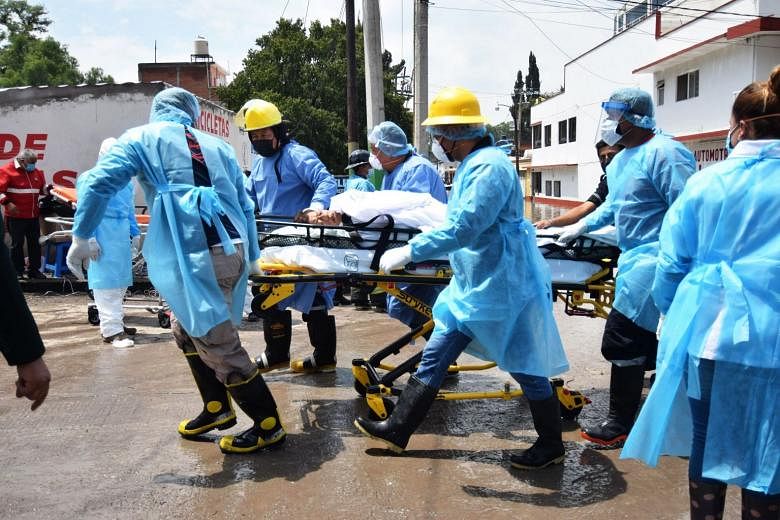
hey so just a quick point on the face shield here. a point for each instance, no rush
(611, 114)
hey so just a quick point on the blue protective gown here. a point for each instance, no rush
(415, 174)
(500, 291)
(356, 182)
(643, 182)
(718, 282)
(176, 252)
(305, 183)
(113, 270)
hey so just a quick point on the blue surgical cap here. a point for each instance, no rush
(390, 139)
(175, 104)
(640, 106)
(458, 132)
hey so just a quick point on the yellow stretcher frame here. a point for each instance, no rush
(279, 281)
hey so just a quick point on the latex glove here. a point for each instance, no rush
(135, 244)
(571, 232)
(395, 258)
(94, 249)
(78, 256)
(256, 267)
(660, 326)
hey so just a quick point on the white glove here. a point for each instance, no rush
(571, 232)
(660, 326)
(135, 245)
(256, 267)
(78, 256)
(94, 249)
(395, 258)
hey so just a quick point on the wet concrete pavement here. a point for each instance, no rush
(104, 444)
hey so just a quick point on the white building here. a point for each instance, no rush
(691, 55)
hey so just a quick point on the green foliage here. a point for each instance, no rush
(502, 130)
(96, 75)
(304, 73)
(29, 59)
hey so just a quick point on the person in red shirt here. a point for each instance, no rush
(20, 186)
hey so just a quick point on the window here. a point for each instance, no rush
(547, 188)
(572, 129)
(688, 85)
(659, 92)
(636, 13)
(536, 138)
(556, 188)
(536, 182)
(547, 135)
(562, 134)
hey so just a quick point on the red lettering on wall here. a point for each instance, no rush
(66, 178)
(9, 146)
(36, 142)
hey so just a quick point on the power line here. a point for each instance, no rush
(285, 8)
(554, 44)
(680, 8)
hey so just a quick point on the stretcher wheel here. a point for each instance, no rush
(93, 316)
(164, 319)
(389, 407)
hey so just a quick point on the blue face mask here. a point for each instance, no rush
(29, 167)
(729, 146)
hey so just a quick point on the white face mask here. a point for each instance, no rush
(373, 160)
(609, 132)
(440, 154)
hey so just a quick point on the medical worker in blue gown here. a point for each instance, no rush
(199, 247)
(288, 179)
(111, 273)
(405, 170)
(716, 398)
(498, 304)
(644, 180)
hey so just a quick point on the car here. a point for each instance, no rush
(506, 145)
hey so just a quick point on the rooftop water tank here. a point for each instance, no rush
(201, 46)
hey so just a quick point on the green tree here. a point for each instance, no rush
(304, 74)
(27, 57)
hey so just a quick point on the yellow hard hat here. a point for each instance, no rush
(257, 114)
(454, 106)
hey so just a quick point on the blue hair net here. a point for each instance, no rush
(175, 104)
(390, 139)
(458, 132)
(640, 106)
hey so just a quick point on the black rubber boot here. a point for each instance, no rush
(217, 412)
(548, 448)
(625, 393)
(707, 499)
(255, 399)
(757, 505)
(322, 335)
(359, 298)
(413, 405)
(277, 331)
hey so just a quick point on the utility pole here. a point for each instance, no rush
(516, 111)
(420, 74)
(372, 46)
(352, 143)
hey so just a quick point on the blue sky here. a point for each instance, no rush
(479, 44)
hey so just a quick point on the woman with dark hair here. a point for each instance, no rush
(718, 281)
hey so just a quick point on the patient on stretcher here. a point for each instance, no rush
(410, 211)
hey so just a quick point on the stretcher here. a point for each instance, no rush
(150, 300)
(582, 278)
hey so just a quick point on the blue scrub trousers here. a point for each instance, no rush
(444, 348)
